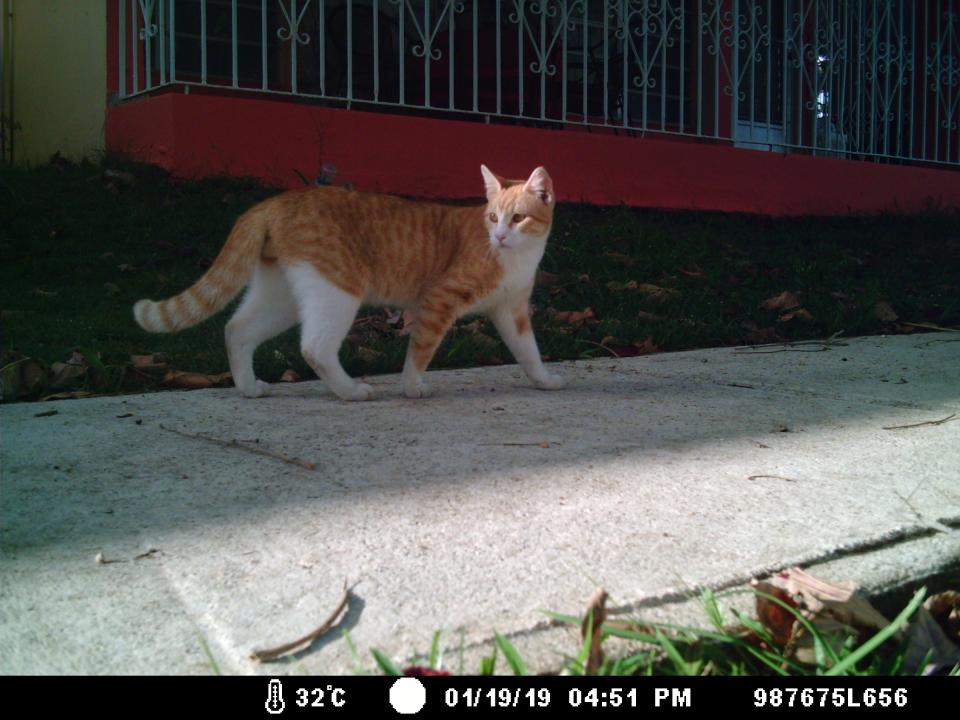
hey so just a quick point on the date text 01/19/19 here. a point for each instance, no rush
(497, 697)
(830, 697)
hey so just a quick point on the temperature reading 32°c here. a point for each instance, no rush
(328, 696)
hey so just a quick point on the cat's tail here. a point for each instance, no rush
(229, 274)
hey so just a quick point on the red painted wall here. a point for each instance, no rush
(207, 134)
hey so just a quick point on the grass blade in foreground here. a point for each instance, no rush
(385, 664)
(510, 653)
(877, 640)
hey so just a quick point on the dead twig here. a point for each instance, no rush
(48, 413)
(795, 346)
(930, 326)
(937, 340)
(544, 444)
(771, 477)
(248, 448)
(302, 643)
(593, 623)
(922, 424)
(822, 348)
(601, 345)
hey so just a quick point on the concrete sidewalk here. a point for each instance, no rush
(473, 510)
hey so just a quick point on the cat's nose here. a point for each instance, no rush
(501, 238)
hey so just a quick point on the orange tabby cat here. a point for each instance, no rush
(314, 255)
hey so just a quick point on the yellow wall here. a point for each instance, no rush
(59, 77)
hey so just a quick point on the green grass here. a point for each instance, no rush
(744, 648)
(79, 248)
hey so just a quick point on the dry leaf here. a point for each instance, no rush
(584, 278)
(798, 314)
(649, 317)
(758, 336)
(575, 317)
(187, 380)
(63, 374)
(836, 610)
(593, 620)
(141, 361)
(154, 364)
(929, 649)
(945, 609)
(655, 293)
(620, 257)
(368, 355)
(485, 342)
(409, 318)
(884, 312)
(196, 381)
(547, 279)
(74, 395)
(290, 376)
(22, 376)
(76, 366)
(647, 346)
(784, 301)
(693, 271)
(776, 619)
(31, 375)
(393, 318)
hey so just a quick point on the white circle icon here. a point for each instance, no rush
(408, 695)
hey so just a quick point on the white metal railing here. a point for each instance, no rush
(876, 79)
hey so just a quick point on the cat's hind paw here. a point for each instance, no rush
(258, 389)
(550, 382)
(358, 393)
(417, 390)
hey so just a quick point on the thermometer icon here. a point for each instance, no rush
(275, 702)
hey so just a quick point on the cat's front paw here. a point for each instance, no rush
(417, 390)
(259, 389)
(358, 393)
(550, 382)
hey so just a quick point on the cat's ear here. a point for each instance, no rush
(540, 184)
(491, 181)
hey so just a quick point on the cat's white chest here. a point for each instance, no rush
(519, 269)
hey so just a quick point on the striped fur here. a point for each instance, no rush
(313, 255)
(214, 290)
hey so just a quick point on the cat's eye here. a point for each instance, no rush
(517, 218)
(493, 217)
